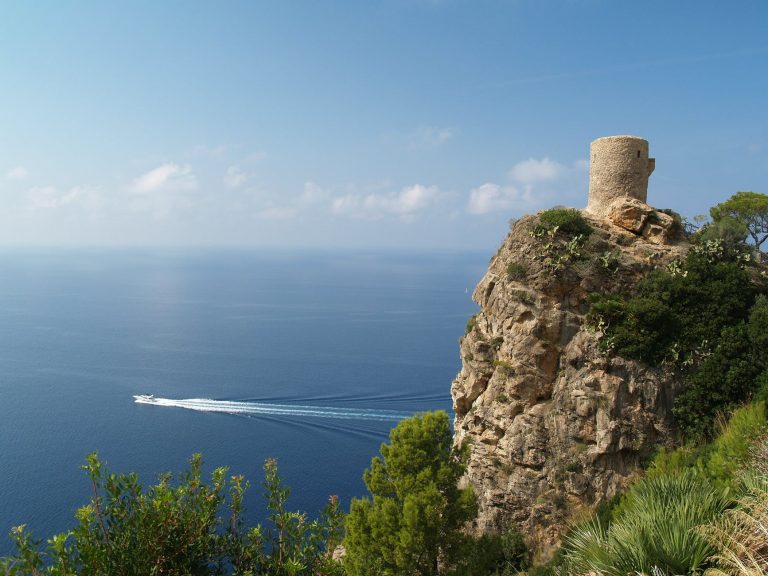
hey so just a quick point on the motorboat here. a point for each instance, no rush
(144, 398)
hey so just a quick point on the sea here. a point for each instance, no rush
(309, 357)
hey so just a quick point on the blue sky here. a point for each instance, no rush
(414, 124)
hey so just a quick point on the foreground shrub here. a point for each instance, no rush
(741, 535)
(654, 533)
(172, 529)
(413, 524)
(502, 554)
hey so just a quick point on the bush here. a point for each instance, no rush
(496, 555)
(724, 380)
(654, 532)
(567, 220)
(517, 271)
(758, 330)
(700, 319)
(178, 529)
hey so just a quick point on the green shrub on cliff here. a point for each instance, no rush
(493, 554)
(723, 460)
(567, 221)
(701, 317)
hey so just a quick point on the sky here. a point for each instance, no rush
(403, 124)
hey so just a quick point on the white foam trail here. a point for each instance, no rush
(262, 408)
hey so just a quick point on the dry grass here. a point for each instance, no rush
(741, 535)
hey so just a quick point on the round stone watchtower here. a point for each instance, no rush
(619, 167)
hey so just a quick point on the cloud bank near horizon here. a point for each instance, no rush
(223, 194)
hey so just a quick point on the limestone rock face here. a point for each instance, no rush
(639, 218)
(553, 425)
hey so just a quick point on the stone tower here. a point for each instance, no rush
(619, 167)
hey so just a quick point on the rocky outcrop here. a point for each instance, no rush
(554, 425)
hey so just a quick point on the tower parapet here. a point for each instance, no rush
(619, 167)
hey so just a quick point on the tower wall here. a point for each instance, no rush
(619, 167)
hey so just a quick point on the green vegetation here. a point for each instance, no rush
(565, 231)
(506, 366)
(471, 323)
(748, 209)
(720, 460)
(179, 529)
(517, 271)
(656, 530)
(692, 511)
(567, 221)
(705, 317)
(699, 508)
(502, 554)
(412, 524)
(739, 535)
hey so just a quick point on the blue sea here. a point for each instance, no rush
(307, 357)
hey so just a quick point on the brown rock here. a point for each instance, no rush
(554, 426)
(629, 214)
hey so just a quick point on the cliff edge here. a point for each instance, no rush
(553, 424)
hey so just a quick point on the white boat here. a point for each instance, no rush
(144, 397)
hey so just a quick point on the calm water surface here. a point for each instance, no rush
(306, 357)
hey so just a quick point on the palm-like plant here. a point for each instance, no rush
(655, 533)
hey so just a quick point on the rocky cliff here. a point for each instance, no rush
(553, 424)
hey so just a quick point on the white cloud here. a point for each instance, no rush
(532, 170)
(167, 177)
(405, 203)
(312, 194)
(429, 137)
(531, 184)
(49, 197)
(17, 173)
(491, 197)
(235, 177)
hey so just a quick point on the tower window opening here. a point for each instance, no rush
(638, 153)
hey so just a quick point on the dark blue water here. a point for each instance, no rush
(82, 332)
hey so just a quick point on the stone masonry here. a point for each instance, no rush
(619, 167)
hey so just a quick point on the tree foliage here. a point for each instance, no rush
(412, 524)
(702, 317)
(749, 209)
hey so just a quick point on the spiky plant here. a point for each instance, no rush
(655, 534)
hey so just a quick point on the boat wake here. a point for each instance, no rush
(268, 409)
